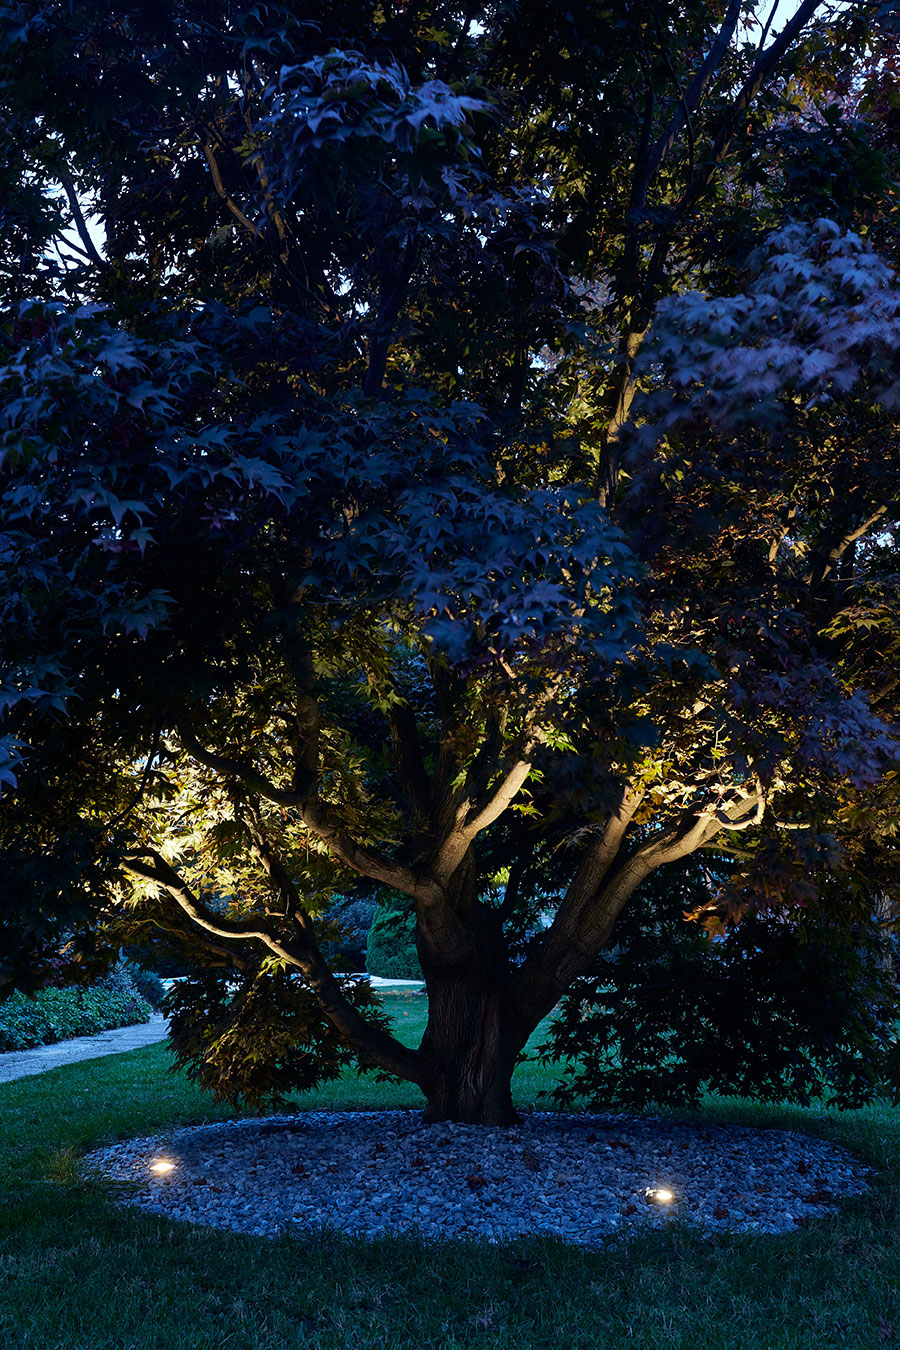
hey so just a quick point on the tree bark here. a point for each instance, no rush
(472, 1050)
(471, 1042)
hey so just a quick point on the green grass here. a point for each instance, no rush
(78, 1273)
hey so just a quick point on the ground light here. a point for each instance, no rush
(660, 1195)
(162, 1166)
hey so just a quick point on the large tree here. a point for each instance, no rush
(439, 445)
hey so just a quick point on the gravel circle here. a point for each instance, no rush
(582, 1178)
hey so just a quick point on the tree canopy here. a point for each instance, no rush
(443, 447)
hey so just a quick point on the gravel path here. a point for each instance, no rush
(23, 1063)
(578, 1177)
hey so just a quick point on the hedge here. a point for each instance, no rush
(391, 946)
(59, 1014)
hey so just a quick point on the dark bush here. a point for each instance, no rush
(149, 986)
(353, 915)
(792, 1005)
(391, 946)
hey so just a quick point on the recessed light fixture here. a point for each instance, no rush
(162, 1166)
(660, 1195)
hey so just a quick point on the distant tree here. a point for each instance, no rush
(444, 446)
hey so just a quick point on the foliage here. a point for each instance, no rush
(436, 451)
(353, 916)
(797, 1006)
(256, 1038)
(391, 945)
(59, 1014)
(149, 986)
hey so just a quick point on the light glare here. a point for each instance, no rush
(162, 1166)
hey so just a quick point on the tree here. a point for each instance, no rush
(358, 521)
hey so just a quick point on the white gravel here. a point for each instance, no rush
(583, 1178)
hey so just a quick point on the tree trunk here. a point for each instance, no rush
(472, 1051)
(472, 1040)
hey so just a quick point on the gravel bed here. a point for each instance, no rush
(583, 1178)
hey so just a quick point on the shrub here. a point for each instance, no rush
(353, 915)
(149, 986)
(59, 1014)
(391, 946)
(790, 1005)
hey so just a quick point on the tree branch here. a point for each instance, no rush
(84, 233)
(371, 1041)
(232, 767)
(471, 819)
(221, 190)
(837, 552)
(406, 744)
(690, 99)
(766, 62)
(394, 293)
(318, 817)
(601, 889)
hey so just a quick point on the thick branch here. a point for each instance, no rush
(592, 870)
(406, 746)
(393, 294)
(232, 767)
(765, 63)
(585, 920)
(648, 166)
(318, 818)
(471, 818)
(836, 553)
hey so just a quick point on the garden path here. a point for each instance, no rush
(23, 1063)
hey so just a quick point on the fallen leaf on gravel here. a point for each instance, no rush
(720, 1212)
(530, 1161)
(476, 1181)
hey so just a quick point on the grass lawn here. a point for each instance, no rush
(76, 1272)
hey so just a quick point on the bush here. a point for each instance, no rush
(59, 1014)
(789, 1005)
(354, 915)
(391, 946)
(149, 986)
